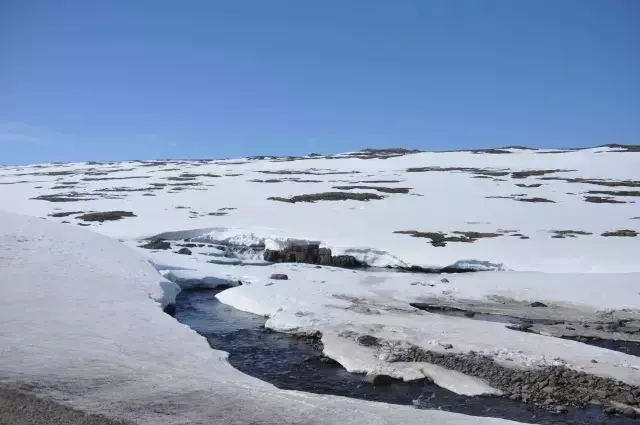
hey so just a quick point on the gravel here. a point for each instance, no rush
(20, 408)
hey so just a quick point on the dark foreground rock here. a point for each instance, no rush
(279, 276)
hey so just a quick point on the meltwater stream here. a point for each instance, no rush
(290, 364)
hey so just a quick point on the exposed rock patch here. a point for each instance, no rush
(106, 216)
(621, 233)
(311, 254)
(329, 196)
(440, 239)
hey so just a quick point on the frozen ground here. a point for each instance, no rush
(552, 227)
(82, 323)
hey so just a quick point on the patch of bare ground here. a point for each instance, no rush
(597, 182)
(218, 213)
(440, 239)
(615, 192)
(536, 200)
(311, 172)
(65, 197)
(329, 196)
(180, 178)
(561, 234)
(91, 179)
(477, 171)
(194, 175)
(531, 173)
(128, 189)
(490, 151)
(266, 181)
(528, 185)
(106, 216)
(187, 184)
(635, 218)
(18, 182)
(65, 214)
(49, 173)
(233, 175)
(376, 188)
(63, 187)
(621, 233)
(602, 200)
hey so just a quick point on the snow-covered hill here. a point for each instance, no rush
(553, 232)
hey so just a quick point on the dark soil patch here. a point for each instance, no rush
(193, 175)
(180, 179)
(440, 239)
(490, 151)
(621, 233)
(376, 188)
(478, 171)
(378, 181)
(65, 214)
(307, 172)
(616, 192)
(602, 200)
(535, 200)
(597, 182)
(530, 173)
(65, 197)
(528, 185)
(329, 196)
(560, 234)
(106, 216)
(90, 179)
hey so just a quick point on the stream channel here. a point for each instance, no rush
(291, 364)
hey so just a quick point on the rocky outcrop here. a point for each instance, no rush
(554, 387)
(311, 254)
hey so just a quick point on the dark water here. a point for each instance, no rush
(288, 363)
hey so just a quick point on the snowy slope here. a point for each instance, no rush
(81, 321)
(444, 201)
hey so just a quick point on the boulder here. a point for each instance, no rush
(537, 304)
(184, 251)
(372, 378)
(311, 254)
(157, 244)
(279, 276)
(368, 341)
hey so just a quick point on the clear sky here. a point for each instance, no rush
(141, 79)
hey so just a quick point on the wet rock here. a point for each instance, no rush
(279, 276)
(327, 360)
(629, 412)
(157, 244)
(184, 251)
(378, 379)
(368, 340)
(537, 304)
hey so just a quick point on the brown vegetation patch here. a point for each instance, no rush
(90, 179)
(616, 192)
(561, 234)
(478, 171)
(376, 188)
(440, 239)
(65, 214)
(194, 175)
(530, 173)
(329, 196)
(106, 216)
(598, 182)
(535, 200)
(311, 172)
(528, 185)
(621, 233)
(65, 197)
(602, 200)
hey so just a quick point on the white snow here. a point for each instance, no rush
(81, 322)
(578, 277)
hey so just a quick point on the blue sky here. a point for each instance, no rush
(126, 79)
